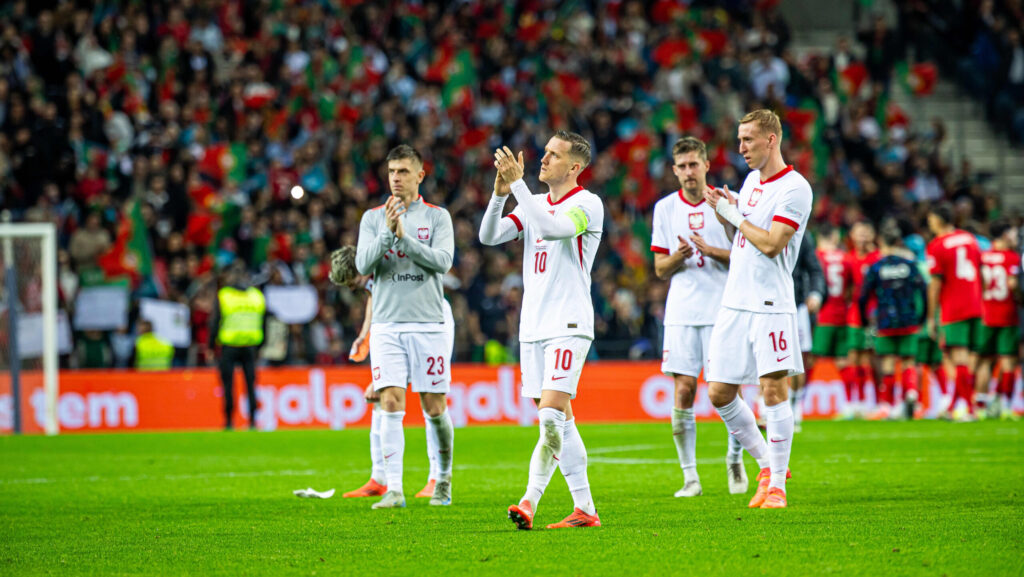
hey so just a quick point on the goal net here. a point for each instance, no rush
(28, 328)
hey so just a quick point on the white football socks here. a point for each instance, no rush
(779, 419)
(376, 455)
(431, 434)
(546, 454)
(392, 444)
(444, 443)
(574, 468)
(735, 452)
(739, 420)
(684, 433)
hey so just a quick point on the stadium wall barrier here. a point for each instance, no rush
(332, 397)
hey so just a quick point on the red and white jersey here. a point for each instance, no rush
(838, 271)
(860, 263)
(758, 283)
(556, 273)
(998, 308)
(956, 258)
(695, 292)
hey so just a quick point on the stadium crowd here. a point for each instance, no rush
(256, 131)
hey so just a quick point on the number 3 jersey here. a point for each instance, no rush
(997, 268)
(956, 258)
(757, 283)
(556, 273)
(695, 292)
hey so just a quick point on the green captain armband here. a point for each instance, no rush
(579, 218)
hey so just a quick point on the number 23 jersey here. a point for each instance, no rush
(556, 273)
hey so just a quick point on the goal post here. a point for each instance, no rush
(28, 299)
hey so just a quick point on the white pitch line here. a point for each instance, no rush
(136, 478)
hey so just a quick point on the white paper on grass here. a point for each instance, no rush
(170, 320)
(293, 305)
(101, 308)
(30, 335)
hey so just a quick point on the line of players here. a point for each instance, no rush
(741, 328)
(953, 311)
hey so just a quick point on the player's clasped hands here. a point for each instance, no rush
(698, 242)
(684, 248)
(509, 169)
(394, 209)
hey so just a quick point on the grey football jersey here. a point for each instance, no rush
(407, 272)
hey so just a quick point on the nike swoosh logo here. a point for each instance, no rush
(780, 359)
(391, 455)
(746, 214)
(734, 432)
(778, 440)
(558, 378)
(435, 383)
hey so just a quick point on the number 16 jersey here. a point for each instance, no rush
(556, 273)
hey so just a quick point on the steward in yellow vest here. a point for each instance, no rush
(237, 325)
(152, 353)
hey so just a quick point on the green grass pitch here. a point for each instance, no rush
(866, 498)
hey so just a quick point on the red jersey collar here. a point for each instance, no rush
(779, 174)
(682, 197)
(570, 193)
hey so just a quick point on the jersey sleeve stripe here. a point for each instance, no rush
(784, 220)
(659, 250)
(515, 219)
(579, 247)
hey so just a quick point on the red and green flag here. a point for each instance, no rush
(918, 79)
(224, 160)
(460, 77)
(131, 254)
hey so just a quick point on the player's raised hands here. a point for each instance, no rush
(501, 188)
(509, 169)
(394, 208)
(684, 248)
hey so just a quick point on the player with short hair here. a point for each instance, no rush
(955, 291)
(897, 285)
(755, 334)
(408, 245)
(831, 333)
(999, 340)
(344, 273)
(697, 278)
(863, 254)
(561, 231)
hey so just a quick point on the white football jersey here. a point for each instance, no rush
(694, 292)
(757, 283)
(556, 273)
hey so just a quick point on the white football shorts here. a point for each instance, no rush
(419, 359)
(685, 349)
(746, 345)
(552, 364)
(803, 319)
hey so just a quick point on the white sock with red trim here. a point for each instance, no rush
(546, 454)
(574, 468)
(739, 420)
(779, 419)
(392, 444)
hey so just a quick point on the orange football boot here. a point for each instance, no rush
(763, 478)
(428, 490)
(370, 489)
(522, 515)
(776, 499)
(577, 519)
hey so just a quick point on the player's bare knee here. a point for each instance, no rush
(721, 394)
(775, 388)
(392, 399)
(434, 404)
(686, 390)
